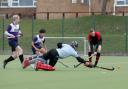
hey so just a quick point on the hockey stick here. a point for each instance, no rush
(111, 69)
(75, 66)
(63, 64)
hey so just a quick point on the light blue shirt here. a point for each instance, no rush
(66, 51)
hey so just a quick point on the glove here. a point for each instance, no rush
(88, 64)
(95, 53)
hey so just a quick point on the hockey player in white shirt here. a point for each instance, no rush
(53, 55)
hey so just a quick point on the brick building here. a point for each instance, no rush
(48, 9)
(22, 7)
(70, 8)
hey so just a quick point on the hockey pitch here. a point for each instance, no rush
(14, 77)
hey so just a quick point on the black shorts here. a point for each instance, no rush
(52, 55)
(13, 44)
(94, 46)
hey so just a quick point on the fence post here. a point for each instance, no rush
(126, 49)
(62, 28)
(3, 22)
(94, 21)
(126, 37)
(47, 15)
(32, 26)
(77, 14)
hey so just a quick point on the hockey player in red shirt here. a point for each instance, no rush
(95, 44)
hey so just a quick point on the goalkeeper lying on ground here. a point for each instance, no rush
(63, 51)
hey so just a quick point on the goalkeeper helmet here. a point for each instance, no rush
(74, 44)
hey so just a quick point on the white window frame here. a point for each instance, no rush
(15, 2)
(84, 2)
(10, 4)
(125, 4)
(74, 1)
(35, 3)
(4, 2)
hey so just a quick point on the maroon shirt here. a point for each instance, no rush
(96, 39)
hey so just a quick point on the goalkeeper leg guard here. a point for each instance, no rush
(97, 59)
(40, 65)
(26, 63)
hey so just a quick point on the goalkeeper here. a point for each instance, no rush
(63, 51)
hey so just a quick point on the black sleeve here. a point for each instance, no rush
(79, 59)
(59, 45)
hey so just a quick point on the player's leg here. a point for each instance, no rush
(90, 52)
(98, 50)
(97, 55)
(13, 56)
(20, 53)
(28, 61)
(37, 58)
(32, 60)
(33, 50)
(52, 56)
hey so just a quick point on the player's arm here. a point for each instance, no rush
(34, 46)
(33, 41)
(99, 44)
(81, 60)
(7, 32)
(44, 45)
(90, 42)
(20, 33)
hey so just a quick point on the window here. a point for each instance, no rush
(4, 3)
(25, 2)
(85, 2)
(15, 2)
(81, 1)
(121, 2)
(74, 1)
(18, 3)
(35, 2)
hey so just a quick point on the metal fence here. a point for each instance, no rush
(114, 31)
